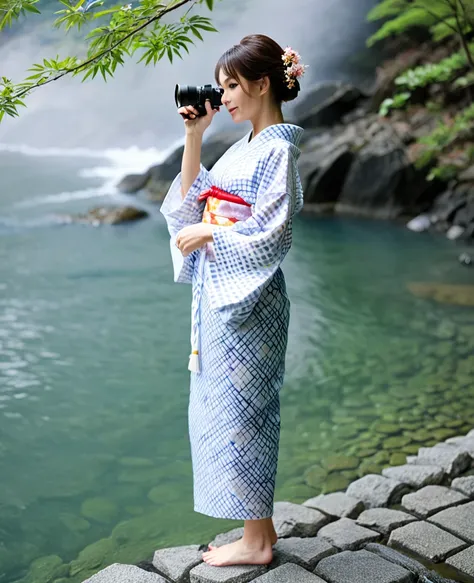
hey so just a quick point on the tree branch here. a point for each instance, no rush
(106, 51)
(462, 38)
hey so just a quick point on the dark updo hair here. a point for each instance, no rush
(258, 56)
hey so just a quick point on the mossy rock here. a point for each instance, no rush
(363, 453)
(421, 436)
(138, 475)
(346, 432)
(442, 434)
(369, 467)
(92, 556)
(386, 428)
(297, 493)
(340, 462)
(398, 459)
(46, 569)
(164, 494)
(134, 510)
(381, 457)
(335, 483)
(141, 528)
(74, 523)
(99, 509)
(396, 442)
(136, 462)
(315, 476)
(411, 449)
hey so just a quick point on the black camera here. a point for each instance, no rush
(196, 96)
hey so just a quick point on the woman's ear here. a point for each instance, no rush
(264, 85)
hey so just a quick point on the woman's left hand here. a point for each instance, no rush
(193, 237)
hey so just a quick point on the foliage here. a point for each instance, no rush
(445, 136)
(121, 32)
(442, 18)
(398, 101)
(440, 72)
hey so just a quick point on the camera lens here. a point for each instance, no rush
(185, 95)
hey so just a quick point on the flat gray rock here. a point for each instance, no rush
(423, 574)
(432, 499)
(464, 485)
(451, 459)
(306, 552)
(289, 574)
(176, 563)
(384, 520)
(337, 504)
(464, 443)
(205, 573)
(361, 567)
(296, 520)
(458, 520)
(226, 538)
(426, 540)
(417, 476)
(118, 573)
(347, 535)
(376, 491)
(463, 561)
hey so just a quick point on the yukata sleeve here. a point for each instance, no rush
(180, 212)
(249, 253)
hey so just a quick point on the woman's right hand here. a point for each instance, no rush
(197, 125)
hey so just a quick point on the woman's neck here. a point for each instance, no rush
(266, 118)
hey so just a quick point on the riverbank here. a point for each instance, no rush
(356, 162)
(413, 523)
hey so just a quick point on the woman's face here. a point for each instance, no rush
(242, 105)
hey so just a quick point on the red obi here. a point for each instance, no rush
(223, 208)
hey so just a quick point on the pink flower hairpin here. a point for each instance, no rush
(294, 68)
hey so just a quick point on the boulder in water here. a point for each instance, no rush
(108, 216)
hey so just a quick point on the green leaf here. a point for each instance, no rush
(210, 4)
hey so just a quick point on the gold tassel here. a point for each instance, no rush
(194, 361)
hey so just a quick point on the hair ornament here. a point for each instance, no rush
(294, 67)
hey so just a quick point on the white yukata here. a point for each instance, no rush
(240, 321)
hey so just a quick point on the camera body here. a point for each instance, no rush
(196, 96)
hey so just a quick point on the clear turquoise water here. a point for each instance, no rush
(94, 385)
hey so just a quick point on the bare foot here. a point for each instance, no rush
(273, 540)
(239, 553)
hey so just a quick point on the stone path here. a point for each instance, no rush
(405, 526)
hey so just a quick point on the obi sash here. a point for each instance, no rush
(224, 210)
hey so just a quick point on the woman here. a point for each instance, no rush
(230, 230)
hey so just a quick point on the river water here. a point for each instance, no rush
(94, 383)
(94, 454)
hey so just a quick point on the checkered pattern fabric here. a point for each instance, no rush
(240, 315)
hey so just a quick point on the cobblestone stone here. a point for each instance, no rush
(361, 567)
(376, 491)
(337, 504)
(464, 485)
(432, 499)
(306, 552)
(416, 476)
(458, 520)
(426, 540)
(384, 520)
(296, 520)
(463, 561)
(346, 534)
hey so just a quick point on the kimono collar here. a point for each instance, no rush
(287, 131)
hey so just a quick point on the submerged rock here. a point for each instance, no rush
(99, 509)
(459, 295)
(107, 216)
